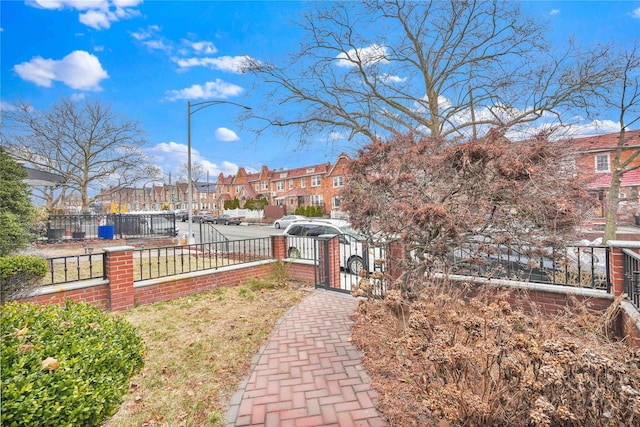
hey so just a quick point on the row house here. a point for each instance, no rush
(594, 160)
(315, 185)
(158, 197)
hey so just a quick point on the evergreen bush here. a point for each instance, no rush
(64, 365)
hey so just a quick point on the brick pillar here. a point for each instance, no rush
(118, 267)
(616, 272)
(278, 247)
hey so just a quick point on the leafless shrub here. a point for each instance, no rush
(482, 362)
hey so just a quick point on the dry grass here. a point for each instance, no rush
(199, 348)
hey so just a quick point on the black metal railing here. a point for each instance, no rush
(631, 263)
(579, 266)
(66, 269)
(152, 263)
(108, 226)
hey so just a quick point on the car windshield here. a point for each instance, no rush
(351, 232)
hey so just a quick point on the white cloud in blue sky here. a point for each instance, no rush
(78, 70)
(636, 13)
(367, 55)
(233, 64)
(554, 12)
(226, 135)
(97, 14)
(214, 89)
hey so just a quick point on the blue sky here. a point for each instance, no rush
(147, 59)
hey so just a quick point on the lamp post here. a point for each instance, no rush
(192, 109)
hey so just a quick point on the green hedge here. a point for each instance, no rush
(19, 275)
(64, 365)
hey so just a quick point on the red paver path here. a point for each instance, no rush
(308, 373)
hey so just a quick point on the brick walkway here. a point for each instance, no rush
(308, 373)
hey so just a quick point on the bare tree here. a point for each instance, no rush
(198, 172)
(434, 196)
(624, 97)
(86, 143)
(437, 68)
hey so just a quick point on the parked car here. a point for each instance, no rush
(227, 219)
(182, 215)
(287, 219)
(203, 216)
(352, 244)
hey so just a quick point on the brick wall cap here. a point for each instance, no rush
(66, 287)
(623, 244)
(557, 289)
(631, 311)
(118, 249)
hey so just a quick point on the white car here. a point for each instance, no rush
(286, 220)
(302, 236)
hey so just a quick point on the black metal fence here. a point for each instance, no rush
(66, 269)
(579, 266)
(151, 263)
(109, 226)
(631, 263)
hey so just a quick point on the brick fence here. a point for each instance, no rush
(118, 291)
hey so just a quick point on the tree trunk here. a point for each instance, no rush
(613, 202)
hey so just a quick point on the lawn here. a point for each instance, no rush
(198, 349)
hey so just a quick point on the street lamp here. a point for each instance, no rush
(192, 109)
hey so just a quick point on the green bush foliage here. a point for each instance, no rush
(64, 365)
(16, 211)
(19, 275)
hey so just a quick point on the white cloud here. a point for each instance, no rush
(234, 64)
(388, 78)
(76, 97)
(5, 106)
(147, 33)
(367, 56)
(97, 14)
(206, 48)
(554, 12)
(226, 135)
(158, 45)
(78, 70)
(172, 155)
(215, 89)
(636, 13)
(95, 19)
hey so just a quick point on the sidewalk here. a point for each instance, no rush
(308, 373)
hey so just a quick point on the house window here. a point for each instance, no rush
(602, 163)
(316, 200)
(315, 181)
(280, 185)
(290, 184)
(338, 181)
(265, 185)
(303, 182)
(335, 202)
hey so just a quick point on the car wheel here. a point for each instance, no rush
(355, 264)
(277, 225)
(226, 222)
(294, 253)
